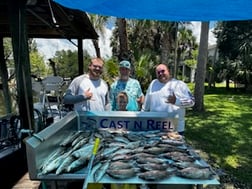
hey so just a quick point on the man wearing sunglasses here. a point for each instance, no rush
(166, 94)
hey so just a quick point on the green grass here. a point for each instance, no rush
(224, 131)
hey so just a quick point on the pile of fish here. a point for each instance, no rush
(148, 155)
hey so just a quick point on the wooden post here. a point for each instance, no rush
(22, 62)
(80, 56)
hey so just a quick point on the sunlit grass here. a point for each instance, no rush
(224, 130)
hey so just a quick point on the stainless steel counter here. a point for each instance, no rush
(40, 145)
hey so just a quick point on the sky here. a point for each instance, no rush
(48, 47)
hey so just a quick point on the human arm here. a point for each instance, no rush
(140, 99)
(182, 95)
(72, 96)
(146, 102)
(69, 98)
(140, 96)
(107, 99)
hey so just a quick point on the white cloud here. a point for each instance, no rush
(196, 28)
(48, 47)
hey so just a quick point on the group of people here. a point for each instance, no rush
(89, 92)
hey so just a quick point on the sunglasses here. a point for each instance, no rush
(160, 72)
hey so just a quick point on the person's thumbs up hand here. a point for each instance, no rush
(88, 94)
(172, 98)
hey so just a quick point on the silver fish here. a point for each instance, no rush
(101, 171)
(173, 142)
(155, 150)
(195, 173)
(122, 157)
(115, 144)
(64, 165)
(120, 165)
(122, 151)
(144, 160)
(77, 140)
(52, 156)
(170, 155)
(105, 133)
(154, 175)
(106, 152)
(184, 164)
(53, 165)
(77, 164)
(138, 150)
(85, 151)
(172, 148)
(134, 137)
(183, 158)
(122, 173)
(133, 145)
(80, 143)
(68, 141)
(121, 139)
(153, 166)
(142, 155)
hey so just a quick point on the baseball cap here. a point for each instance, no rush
(124, 64)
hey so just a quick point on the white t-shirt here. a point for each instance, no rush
(157, 94)
(99, 88)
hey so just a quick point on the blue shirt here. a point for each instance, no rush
(133, 89)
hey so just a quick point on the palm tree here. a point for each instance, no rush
(245, 50)
(186, 44)
(201, 68)
(123, 39)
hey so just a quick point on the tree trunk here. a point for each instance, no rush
(97, 48)
(165, 46)
(123, 39)
(176, 53)
(211, 79)
(201, 68)
(80, 57)
(53, 65)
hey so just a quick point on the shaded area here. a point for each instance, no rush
(13, 167)
(47, 19)
(224, 132)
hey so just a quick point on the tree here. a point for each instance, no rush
(235, 47)
(65, 63)
(186, 49)
(201, 68)
(38, 66)
(123, 39)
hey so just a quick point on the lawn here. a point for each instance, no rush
(224, 131)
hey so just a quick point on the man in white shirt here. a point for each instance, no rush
(88, 92)
(166, 94)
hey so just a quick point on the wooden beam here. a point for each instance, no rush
(22, 62)
(80, 56)
(4, 76)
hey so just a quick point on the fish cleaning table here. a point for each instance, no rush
(151, 125)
